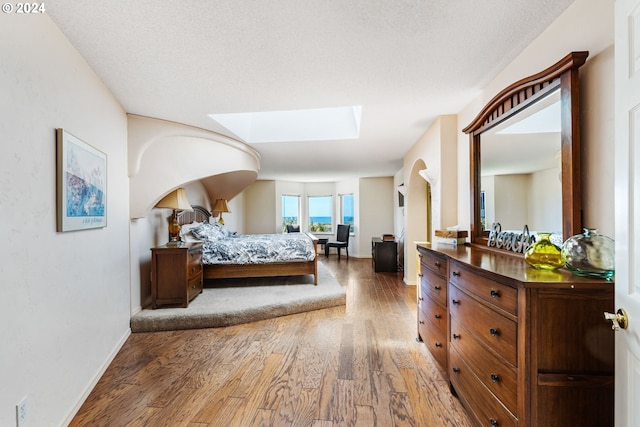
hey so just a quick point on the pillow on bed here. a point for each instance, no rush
(185, 231)
(223, 230)
(208, 231)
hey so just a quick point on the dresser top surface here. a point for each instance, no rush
(512, 267)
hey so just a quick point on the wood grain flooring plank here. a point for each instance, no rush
(344, 414)
(256, 394)
(345, 369)
(305, 407)
(402, 410)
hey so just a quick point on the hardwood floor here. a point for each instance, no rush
(358, 365)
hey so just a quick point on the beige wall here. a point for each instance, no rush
(585, 25)
(376, 198)
(435, 151)
(373, 199)
(65, 296)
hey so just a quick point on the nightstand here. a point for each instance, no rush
(176, 274)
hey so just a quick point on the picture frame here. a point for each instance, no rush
(81, 184)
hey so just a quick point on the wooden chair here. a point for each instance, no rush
(342, 241)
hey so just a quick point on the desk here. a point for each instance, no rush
(384, 254)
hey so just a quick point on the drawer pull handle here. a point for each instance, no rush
(455, 273)
(437, 316)
(420, 299)
(456, 336)
(437, 288)
(494, 422)
(437, 263)
(495, 378)
(494, 332)
(456, 370)
(421, 322)
(420, 275)
(494, 293)
(455, 301)
(438, 345)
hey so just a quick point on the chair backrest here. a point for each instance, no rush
(293, 228)
(343, 233)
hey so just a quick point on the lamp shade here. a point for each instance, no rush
(220, 206)
(177, 199)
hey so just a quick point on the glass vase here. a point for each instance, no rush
(590, 254)
(544, 254)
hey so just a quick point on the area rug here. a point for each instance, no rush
(233, 301)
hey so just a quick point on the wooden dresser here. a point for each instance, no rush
(176, 274)
(525, 347)
(433, 318)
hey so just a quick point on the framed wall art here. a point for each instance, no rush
(81, 181)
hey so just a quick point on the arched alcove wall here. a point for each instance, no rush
(436, 154)
(165, 155)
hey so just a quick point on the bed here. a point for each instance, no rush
(217, 265)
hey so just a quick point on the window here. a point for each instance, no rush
(290, 210)
(346, 210)
(321, 214)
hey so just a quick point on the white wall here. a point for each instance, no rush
(65, 296)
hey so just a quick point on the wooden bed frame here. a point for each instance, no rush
(224, 271)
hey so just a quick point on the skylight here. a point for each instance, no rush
(545, 120)
(320, 124)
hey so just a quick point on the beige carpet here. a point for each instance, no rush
(234, 301)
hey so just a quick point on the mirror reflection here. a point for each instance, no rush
(520, 170)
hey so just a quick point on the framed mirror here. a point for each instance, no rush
(525, 155)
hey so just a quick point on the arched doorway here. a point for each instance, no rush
(419, 216)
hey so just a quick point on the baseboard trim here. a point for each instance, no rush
(97, 377)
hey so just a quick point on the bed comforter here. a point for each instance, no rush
(222, 247)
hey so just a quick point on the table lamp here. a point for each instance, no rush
(220, 206)
(176, 200)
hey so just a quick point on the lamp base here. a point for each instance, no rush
(174, 228)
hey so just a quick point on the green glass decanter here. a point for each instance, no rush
(544, 254)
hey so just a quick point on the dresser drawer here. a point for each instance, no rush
(433, 285)
(493, 330)
(194, 263)
(487, 409)
(433, 262)
(435, 338)
(494, 293)
(497, 376)
(194, 287)
(433, 312)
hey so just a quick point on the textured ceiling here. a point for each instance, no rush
(404, 61)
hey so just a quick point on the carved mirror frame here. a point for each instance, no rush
(514, 99)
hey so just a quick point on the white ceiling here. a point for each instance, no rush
(404, 61)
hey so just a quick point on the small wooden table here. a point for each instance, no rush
(323, 242)
(176, 274)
